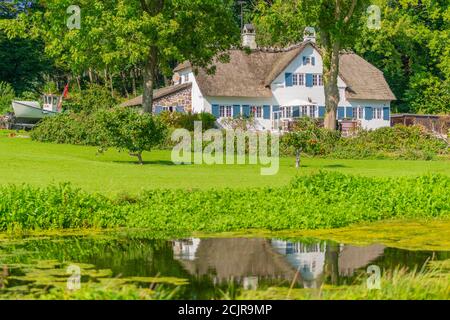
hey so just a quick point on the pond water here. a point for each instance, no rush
(208, 265)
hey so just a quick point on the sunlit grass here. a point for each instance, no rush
(39, 164)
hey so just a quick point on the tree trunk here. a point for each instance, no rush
(91, 77)
(124, 84)
(111, 84)
(78, 83)
(139, 156)
(297, 159)
(330, 78)
(149, 79)
(133, 80)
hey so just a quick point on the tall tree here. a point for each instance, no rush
(115, 34)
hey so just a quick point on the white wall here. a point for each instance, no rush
(374, 123)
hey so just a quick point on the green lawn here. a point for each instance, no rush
(25, 161)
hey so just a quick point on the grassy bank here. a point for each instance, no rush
(323, 200)
(40, 165)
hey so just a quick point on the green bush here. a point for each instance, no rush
(70, 128)
(186, 120)
(399, 142)
(6, 97)
(323, 200)
(126, 129)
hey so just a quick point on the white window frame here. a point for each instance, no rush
(358, 113)
(256, 111)
(286, 112)
(226, 111)
(307, 61)
(320, 80)
(304, 111)
(186, 77)
(312, 111)
(295, 79)
(301, 79)
(315, 80)
(298, 79)
(377, 113)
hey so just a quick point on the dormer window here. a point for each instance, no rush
(309, 61)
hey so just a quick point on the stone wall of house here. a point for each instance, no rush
(180, 98)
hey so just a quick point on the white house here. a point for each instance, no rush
(276, 86)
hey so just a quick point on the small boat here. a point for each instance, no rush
(32, 112)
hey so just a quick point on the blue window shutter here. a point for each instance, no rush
(309, 80)
(266, 111)
(341, 113)
(368, 113)
(386, 113)
(236, 111)
(295, 112)
(349, 112)
(158, 110)
(246, 110)
(288, 78)
(179, 109)
(313, 61)
(322, 112)
(216, 111)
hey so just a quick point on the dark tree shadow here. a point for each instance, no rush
(335, 166)
(159, 162)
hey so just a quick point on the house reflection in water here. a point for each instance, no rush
(249, 262)
(308, 259)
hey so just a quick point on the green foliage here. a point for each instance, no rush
(186, 120)
(70, 128)
(428, 94)
(399, 142)
(94, 98)
(126, 129)
(23, 62)
(323, 200)
(304, 137)
(412, 48)
(6, 97)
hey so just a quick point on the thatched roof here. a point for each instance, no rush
(182, 66)
(251, 74)
(158, 94)
(364, 80)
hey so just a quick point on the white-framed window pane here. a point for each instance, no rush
(304, 111)
(315, 80)
(226, 111)
(320, 80)
(256, 111)
(378, 113)
(295, 79)
(301, 80)
(312, 111)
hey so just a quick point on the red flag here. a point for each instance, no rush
(66, 91)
